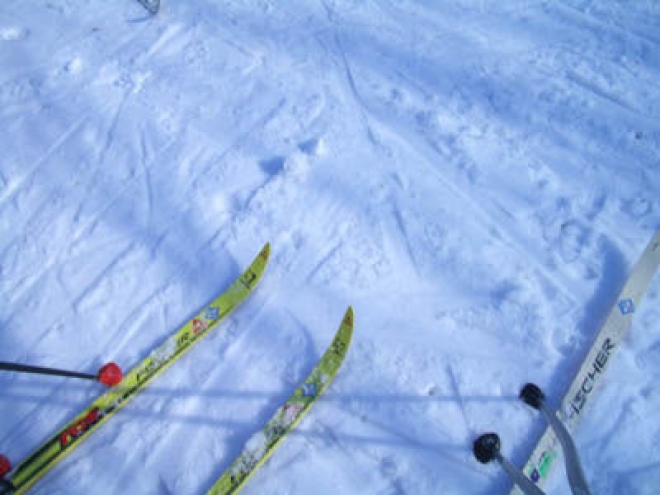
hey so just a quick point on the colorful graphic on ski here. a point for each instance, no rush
(69, 436)
(590, 374)
(260, 447)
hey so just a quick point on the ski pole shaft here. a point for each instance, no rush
(533, 396)
(487, 449)
(40, 370)
(576, 478)
(517, 476)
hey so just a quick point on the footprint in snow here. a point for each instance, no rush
(313, 147)
(433, 391)
(573, 238)
(13, 33)
(295, 164)
(273, 166)
(390, 470)
(636, 208)
(73, 66)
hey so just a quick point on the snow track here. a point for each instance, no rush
(474, 178)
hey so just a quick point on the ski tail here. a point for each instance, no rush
(261, 446)
(58, 446)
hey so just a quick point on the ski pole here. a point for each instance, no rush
(110, 374)
(534, 397)
(487, 448)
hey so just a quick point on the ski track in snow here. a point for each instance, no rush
(475, 179)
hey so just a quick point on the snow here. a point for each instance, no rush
(475, 178)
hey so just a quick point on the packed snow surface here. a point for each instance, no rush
(475, 178)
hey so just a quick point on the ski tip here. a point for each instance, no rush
(349, 314)
(345, 332)
(347, 322)
(265, 252)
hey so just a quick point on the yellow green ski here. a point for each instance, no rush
(73, 433)
(260, 447)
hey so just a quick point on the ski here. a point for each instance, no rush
(590, 375)
(261, 446)
(151, 5)
(98, 412)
